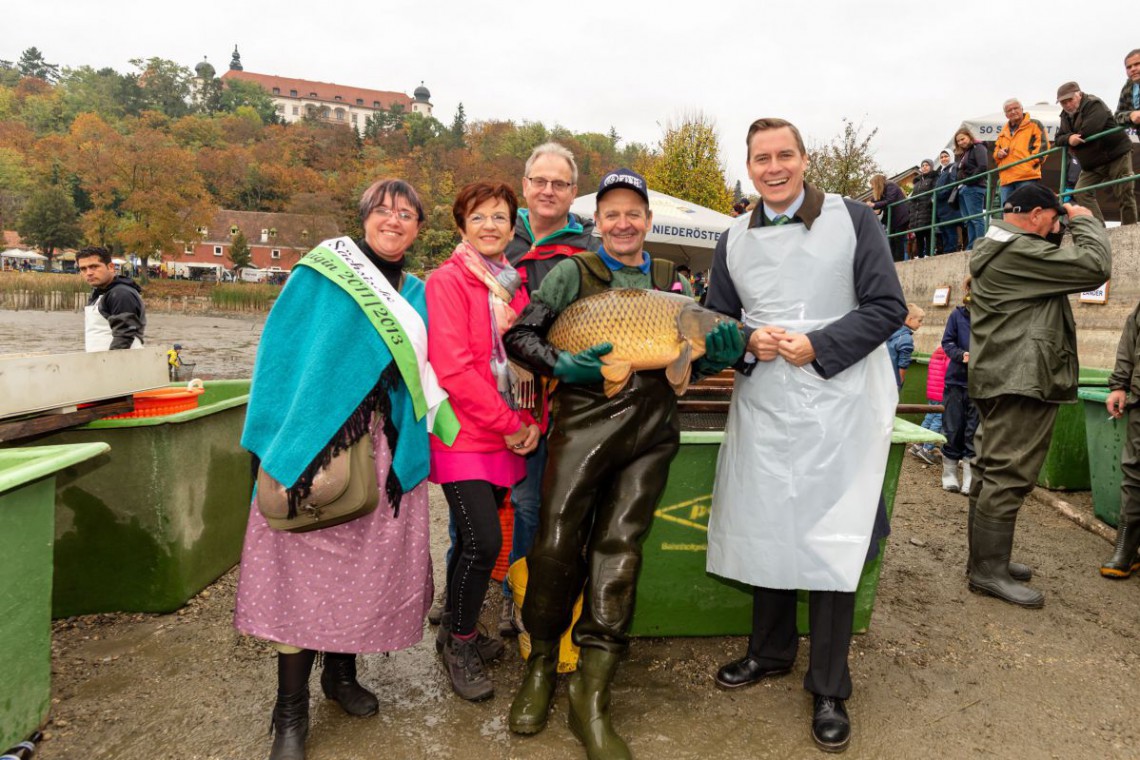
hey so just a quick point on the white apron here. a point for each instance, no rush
(801, 468)
(97, 335)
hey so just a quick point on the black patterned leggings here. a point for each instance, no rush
(474, 506)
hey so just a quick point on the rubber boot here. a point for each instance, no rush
(1017, 571)
(950, 476)
(531, 707)
(489, 649)
(338, 682)
(290, 726)
(967, 477)
(464, 667)
(589, 692)
(1124, 561)
(989, 565)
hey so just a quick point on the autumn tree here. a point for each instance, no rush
(144, 190)
(240, 255)
(49, 221)
(458, 128)
(689, 166)
(846, 164)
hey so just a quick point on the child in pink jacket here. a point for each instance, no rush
(935, 381)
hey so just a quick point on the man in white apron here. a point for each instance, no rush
(797, 500)
(115, 316)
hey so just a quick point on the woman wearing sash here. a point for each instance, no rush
(472, 299)
(335, 365)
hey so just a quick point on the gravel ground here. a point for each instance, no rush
(941, 672)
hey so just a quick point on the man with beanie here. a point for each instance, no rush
(608, 462)
(1023, 361)
(1102, 160)
(1021, 137)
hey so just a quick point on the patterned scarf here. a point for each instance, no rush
(515, 384)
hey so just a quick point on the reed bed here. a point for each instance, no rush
(244, 296)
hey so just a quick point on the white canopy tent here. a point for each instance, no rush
(16, 253)
(682, 232)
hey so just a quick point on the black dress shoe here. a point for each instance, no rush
(745, 672)
(830, 726)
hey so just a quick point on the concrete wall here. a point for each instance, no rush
(1098, 326)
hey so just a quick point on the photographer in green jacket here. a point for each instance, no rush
(1023, 363)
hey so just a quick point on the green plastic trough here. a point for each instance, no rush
(677, 597)
(27, 512)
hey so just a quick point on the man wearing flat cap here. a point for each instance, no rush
(1102, 160)
(1023, 364)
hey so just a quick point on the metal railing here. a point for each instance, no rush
(989, 209)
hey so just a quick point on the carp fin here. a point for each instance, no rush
(616, 375)
(680, 369)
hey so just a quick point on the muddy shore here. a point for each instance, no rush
(941, 672)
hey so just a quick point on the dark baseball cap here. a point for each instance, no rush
(1028, 197)
(623, 178)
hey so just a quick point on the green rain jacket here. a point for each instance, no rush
(1024, 339)
(1126, 374)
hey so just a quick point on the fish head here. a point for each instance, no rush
(694, 322)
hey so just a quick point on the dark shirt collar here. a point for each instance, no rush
(807, 214)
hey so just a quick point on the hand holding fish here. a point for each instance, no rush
(796, 349)
(765, 342)
(583, 367)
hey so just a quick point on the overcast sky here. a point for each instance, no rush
(912, 69)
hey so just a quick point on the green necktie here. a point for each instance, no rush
(781, 219)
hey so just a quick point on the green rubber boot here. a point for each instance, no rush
(531, 707)
(589, 690)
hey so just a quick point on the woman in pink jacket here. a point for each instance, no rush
(472, 299)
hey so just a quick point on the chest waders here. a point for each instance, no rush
(609, 459)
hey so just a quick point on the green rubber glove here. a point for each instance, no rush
(582, 368)
(724, 344)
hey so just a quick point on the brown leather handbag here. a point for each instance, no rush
(343, 490)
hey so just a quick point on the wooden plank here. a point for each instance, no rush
(28, 427)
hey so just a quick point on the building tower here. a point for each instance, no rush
(235, 61)
(421, 102)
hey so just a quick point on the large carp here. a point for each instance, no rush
(649, 329)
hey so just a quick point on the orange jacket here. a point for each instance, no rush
(1030, 138)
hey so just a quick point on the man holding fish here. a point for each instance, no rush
(614, 431)
(796, 503)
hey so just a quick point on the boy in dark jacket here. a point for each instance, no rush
(960, 417)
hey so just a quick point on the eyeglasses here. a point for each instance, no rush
(388, 213)
(558, 185)
(499, 220)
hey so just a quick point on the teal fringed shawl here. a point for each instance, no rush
(318, 359)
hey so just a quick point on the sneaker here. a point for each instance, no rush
(464, 668)
(489, 649)
(921, 453)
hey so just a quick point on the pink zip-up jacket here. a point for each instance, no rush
(459, 349)
(935, 374)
